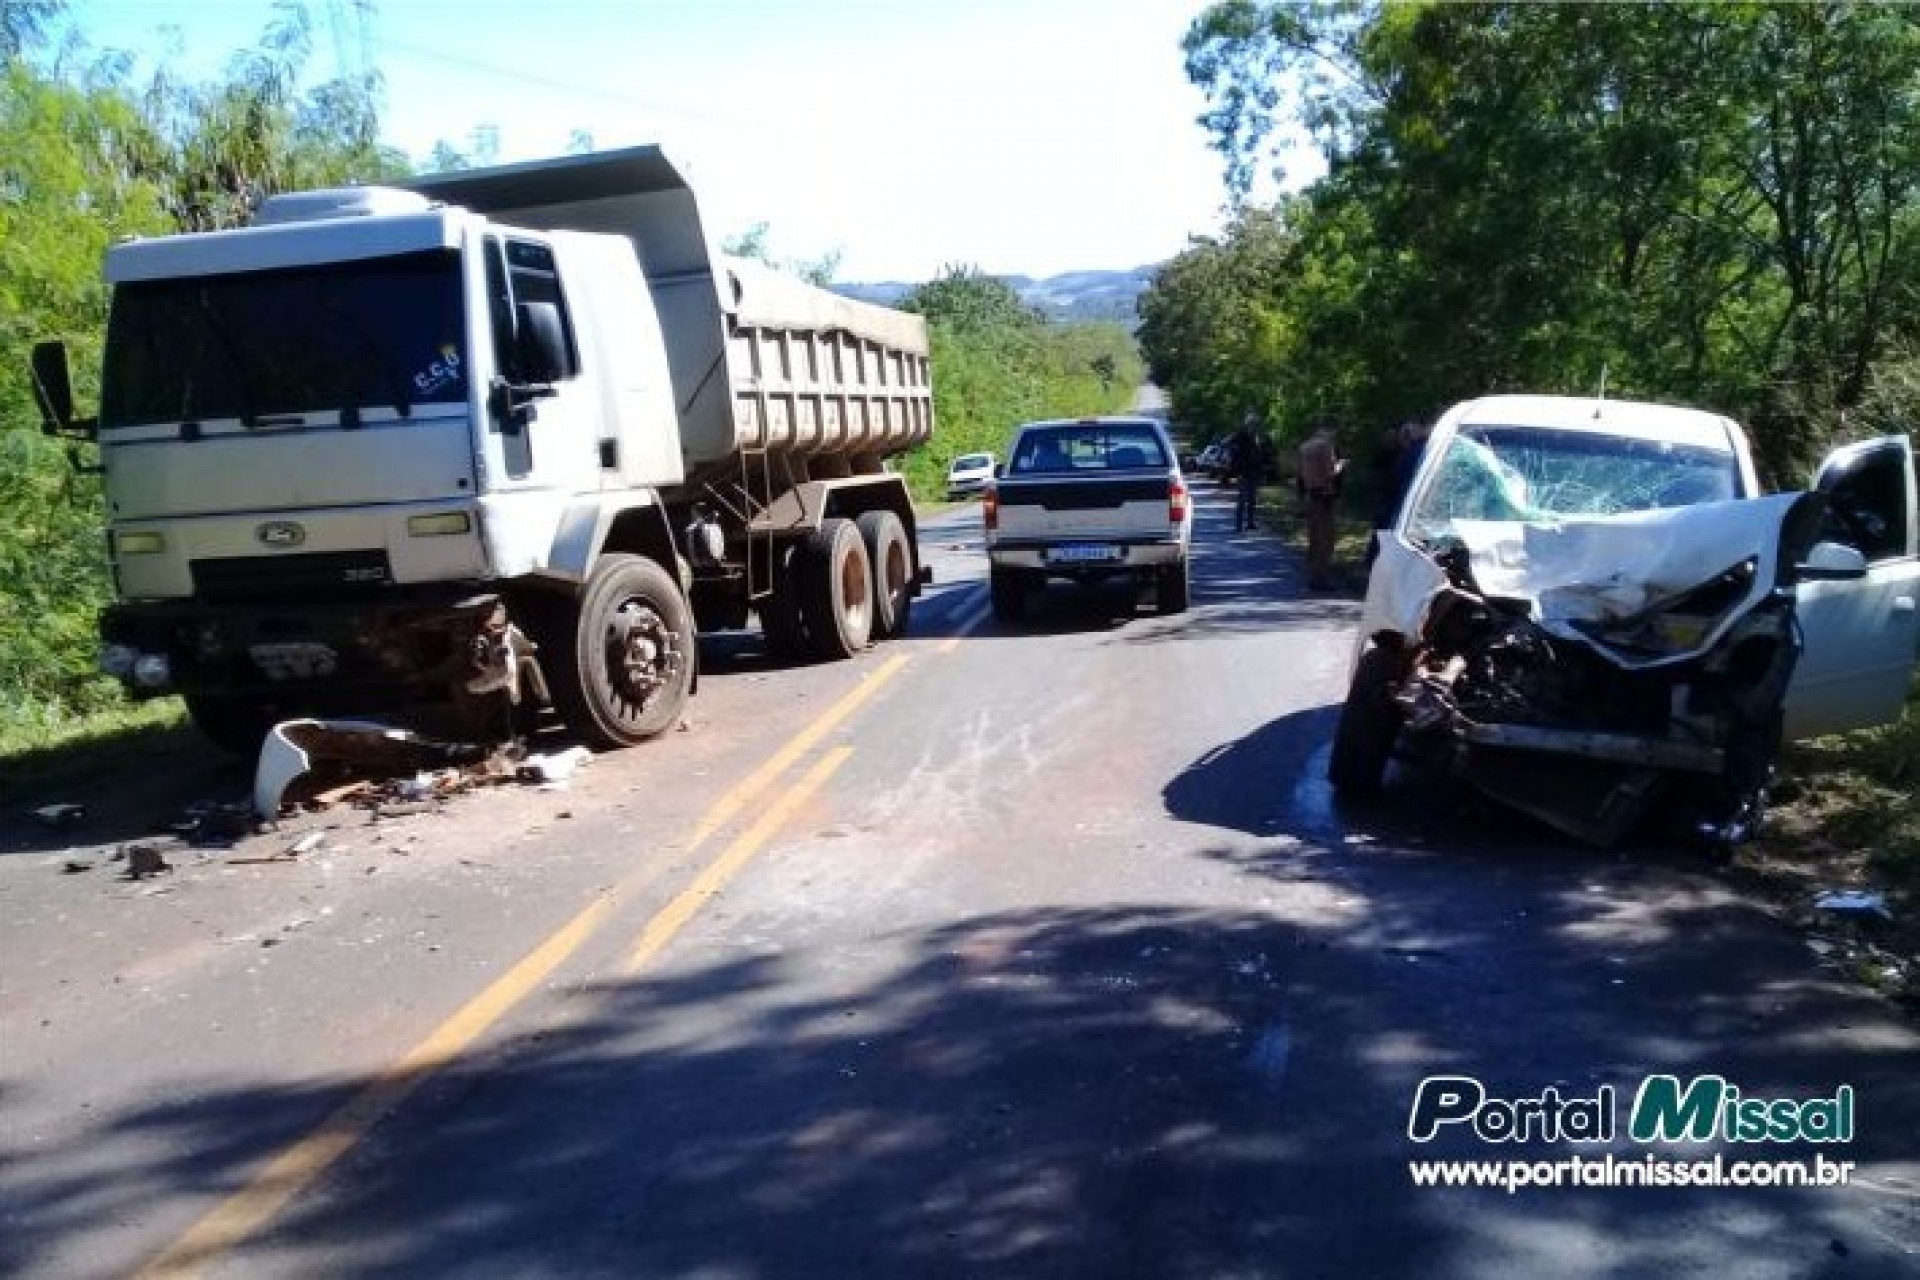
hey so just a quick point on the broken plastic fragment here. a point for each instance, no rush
(1854, 901)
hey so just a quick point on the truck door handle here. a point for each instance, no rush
(1903, 604)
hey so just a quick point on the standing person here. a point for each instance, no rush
(1319, 483)
(1247, 460)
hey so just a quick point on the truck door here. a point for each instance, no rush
(1861, 635)
(542, 418)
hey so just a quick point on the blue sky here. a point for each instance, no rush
(1028, 136)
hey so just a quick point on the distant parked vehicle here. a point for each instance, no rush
(969, 475)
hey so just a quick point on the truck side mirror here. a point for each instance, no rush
(542, 350)
(53, 388)
(1833, 562)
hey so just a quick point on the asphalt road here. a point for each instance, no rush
(994, 952)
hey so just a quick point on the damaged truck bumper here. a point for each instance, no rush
(431, 646)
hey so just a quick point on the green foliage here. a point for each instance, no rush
(86, 158)
(1713, 204)
(997, 363)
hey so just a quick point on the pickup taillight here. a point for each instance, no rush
(990, 508)
(1176, 501)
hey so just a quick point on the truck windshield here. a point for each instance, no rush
(348, 337)
(1533, 473)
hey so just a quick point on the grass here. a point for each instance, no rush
(37, 760)
(1284, 511)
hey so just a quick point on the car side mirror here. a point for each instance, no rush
(1833, 562)
(999, 470)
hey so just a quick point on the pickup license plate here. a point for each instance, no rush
(1084, 553)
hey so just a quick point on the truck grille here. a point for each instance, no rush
(331, 574)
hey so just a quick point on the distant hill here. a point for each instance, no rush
(1072, 295)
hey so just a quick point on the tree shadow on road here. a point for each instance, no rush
(1118, 1091)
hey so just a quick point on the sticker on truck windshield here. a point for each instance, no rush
(440, 372)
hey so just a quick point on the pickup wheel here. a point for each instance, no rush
(1369, 724)
(1008, 587)
(780, 620)
(891, 558)
(837, 590)
(235, 725)
(1171, 588)
(623, 670)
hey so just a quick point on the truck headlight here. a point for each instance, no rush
(144, 542)
(117, 660)
(152, 671)
(439, 523)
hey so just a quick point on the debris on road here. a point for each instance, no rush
(74, 866)
(210, 822)
(557, 767)
(1854, 902)
(145, 860)
(299, 748)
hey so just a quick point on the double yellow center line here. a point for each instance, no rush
(250, 1208)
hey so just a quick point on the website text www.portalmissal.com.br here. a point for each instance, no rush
(1645, 1170)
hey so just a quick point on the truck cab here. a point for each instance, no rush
(481, 445)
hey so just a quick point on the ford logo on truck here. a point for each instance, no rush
(281, 533)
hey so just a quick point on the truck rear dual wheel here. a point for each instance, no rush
(622, 671)
(891, 558)
(836, 581)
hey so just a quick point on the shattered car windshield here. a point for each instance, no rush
(1536, 473)
(383, 334)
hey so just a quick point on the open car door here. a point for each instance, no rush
(1861, 632)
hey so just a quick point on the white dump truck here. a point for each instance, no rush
(496, 441)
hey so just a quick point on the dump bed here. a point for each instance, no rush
(759, 360)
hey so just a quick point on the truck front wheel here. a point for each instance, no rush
(625, 667)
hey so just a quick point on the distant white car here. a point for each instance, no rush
(969, 475)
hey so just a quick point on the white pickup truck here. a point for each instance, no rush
(1088, 498)
(1583, 606)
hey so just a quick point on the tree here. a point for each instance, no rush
(1713, 203)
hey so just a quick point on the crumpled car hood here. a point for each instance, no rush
(1598, 568)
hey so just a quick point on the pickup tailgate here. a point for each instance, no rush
(1075, 507)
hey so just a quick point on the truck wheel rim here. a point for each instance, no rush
(856, 594)
(642, 652)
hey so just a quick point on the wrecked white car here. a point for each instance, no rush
(1585, 608)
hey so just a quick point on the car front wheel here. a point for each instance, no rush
(1369, 726)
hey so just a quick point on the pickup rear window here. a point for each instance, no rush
(1074, 448)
